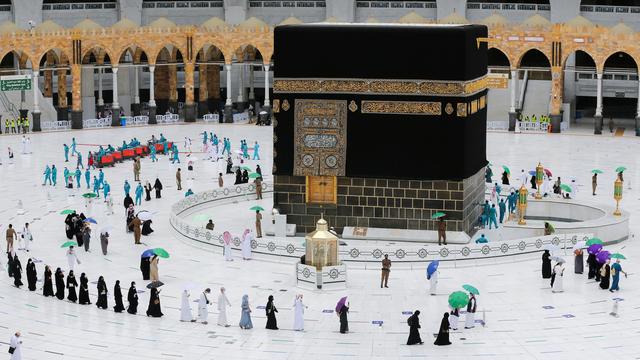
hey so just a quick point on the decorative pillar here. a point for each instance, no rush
(152, 95)
(76, 96)
(190, 105)
(513, 115)
(228, 106)
(36, 106)
(173, 87)
(597, 119)
(135, 105)
(115, 106)
(203, 91)
(252, 95)
(100, 99)
(267, 104)
(241, 88)
(62, 108)
(557, 88)
(638, 111)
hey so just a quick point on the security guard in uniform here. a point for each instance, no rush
(7, 125)
(26, 125)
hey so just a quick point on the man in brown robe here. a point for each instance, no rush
(136, 223)
(179, 179)
(258, 224)
(136, 169)
(386, 269)
(442, 231)
(258, 182)
(11, 235)
(220, 180)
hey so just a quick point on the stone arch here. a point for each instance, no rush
(96, 55)
(18, 57)
(137, 52)
(535, 57)
(56, 54)
(210, 52)
(247, 52)
(498, 57)
(583, 50)
(618, 58)
(243, 46)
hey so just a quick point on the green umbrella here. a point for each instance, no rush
(256, 208)
(620, 169)
(617, 256)
(89, 195)
(245, 168)
(254, 175)
(458, 299)
(506, 169)
(597, 171)
(161, 252)
(438, 215)
(594, 241)
(67, 212)
(551, 228)
(69, 243)
(565, 187)
(471, 289)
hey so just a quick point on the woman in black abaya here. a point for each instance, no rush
(271, 310)
(443, 334)
(102, 294)
(32, 275)
(59, 284)
(414, 324)
(71, 287)
(132, 298)
(84, 290)
(47, 289)
(117, 295)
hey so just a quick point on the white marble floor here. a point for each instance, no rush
(523, 318)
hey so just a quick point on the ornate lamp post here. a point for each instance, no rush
(522, 204)
(617, 195)
(539, 179)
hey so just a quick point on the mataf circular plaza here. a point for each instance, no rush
(328, 179)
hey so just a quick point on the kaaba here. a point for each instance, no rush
(379, 125)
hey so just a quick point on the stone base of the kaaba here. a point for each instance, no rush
(384, 203)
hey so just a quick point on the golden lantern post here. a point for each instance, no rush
(522, 204)
(617, 195)
(539, 179)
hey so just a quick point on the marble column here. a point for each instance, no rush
(252, 95)
(513, 107)
(203, 91)
(100, 99)
(152, 95)
(241, 89)
(267, 104)
(135, 105)
(228, 106)
(115, 106)
(36, 98)
(597, 119)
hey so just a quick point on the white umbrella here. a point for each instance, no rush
(144, 215)
(558, 259)
(580, 244)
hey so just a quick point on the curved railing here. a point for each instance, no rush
(355, 250)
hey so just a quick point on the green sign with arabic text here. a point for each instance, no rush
(15, 83)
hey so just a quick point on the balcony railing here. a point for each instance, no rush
(182, 4)
(78, 6)
(611, 9)
(500, 6)
(397, 4)
(286, 4)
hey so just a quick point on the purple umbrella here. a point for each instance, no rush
(602, 256)
(593, 249)
(340, 304)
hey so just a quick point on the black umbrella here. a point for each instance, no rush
(154, 284)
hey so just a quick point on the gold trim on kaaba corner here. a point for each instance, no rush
(353, 106)
(381, 86)
(401, 107)
(483, 102)
(275, 105)
(285, 105)
(448, 109)
(461, 110)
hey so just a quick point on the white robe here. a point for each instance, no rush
(298, 315)
(246, 246)
(433, 283)
(227, 252)
(557, 282)
(470, 320)
(523, 179)
(16, 343)
(185, 307)
(72, 259)
(203, 307)
(453, 321)
(26, 236)
(223, 302)
(24, 145)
